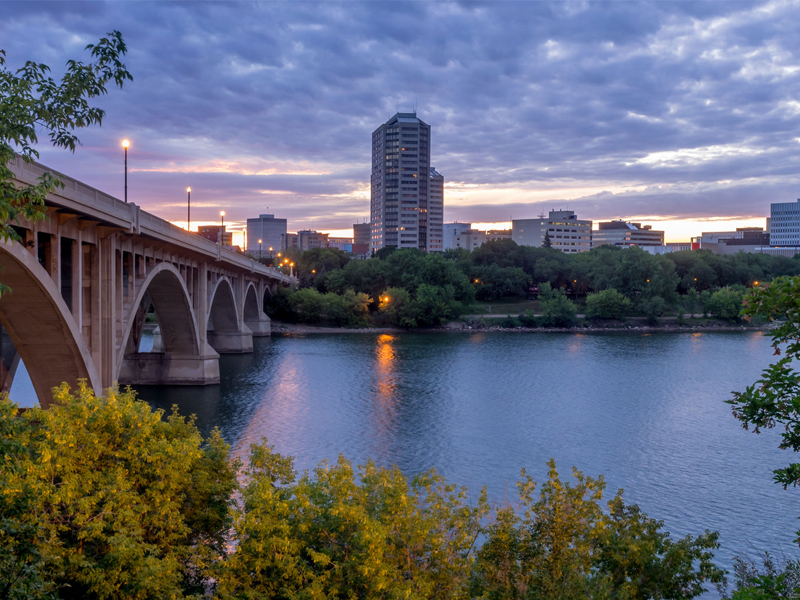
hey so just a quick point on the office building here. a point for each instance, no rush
(784, 224)
(626, 234)
(400, 205)
(269, 230)
(435, 211)
(567, 233)
(309, 238)
(493, 235)
(212, 233)
(744, 239)
(361, 233)
(340, 243)
(471, 239)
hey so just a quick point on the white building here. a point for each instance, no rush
(567, 232)
(784, 224)
(403, 212)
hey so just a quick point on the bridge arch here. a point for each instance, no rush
(166, 291)
(226, 331)
(250, 309)
(182, 358)
(40, 325)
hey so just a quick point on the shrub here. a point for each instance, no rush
(558, 311)
(726, 304)
(105, 499)
(607, 304)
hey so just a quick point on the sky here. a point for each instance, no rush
(684, 115)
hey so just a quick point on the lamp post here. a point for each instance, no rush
(188, 209)
(125, 144)
(259, 250)
(222, 230)
(291, 269)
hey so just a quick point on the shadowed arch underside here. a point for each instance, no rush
(253, 315)
(182, 358)
(41, 326)
(227, 334)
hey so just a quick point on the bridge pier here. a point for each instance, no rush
(231, 342)
(260, 327)
(160, 368)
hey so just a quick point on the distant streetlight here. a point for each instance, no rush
(270, 253)
(125, 144)
(189, 209)
(291, 269)
(222, 230)
(259, 250)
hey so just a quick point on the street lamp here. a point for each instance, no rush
(222, 230)
(291, 269)
(259, 250)
(189, 209)
(125, 144)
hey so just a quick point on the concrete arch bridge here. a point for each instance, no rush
(85, 279)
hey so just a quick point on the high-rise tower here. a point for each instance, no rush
(400, 186)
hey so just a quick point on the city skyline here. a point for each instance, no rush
(679, 115)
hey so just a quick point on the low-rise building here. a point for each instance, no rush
(744, 239)
(470, 239)
(626, 234)
(498, 234)
(212, 233)
(567, 233)
(309, 238)
(339, 243)
(361, 233)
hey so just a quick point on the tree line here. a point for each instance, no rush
(409, 288)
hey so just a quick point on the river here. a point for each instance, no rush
(645, 410)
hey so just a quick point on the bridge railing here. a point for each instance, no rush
(102, 206)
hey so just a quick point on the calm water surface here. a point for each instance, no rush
(645, 410)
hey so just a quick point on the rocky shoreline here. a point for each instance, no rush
(279, 328)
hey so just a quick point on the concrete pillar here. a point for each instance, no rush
(109, 287)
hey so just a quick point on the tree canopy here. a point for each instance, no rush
(31, 99)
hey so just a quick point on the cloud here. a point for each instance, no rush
(695, 102)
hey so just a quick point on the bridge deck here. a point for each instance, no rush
(83, 200)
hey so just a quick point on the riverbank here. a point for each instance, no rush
(279, 328)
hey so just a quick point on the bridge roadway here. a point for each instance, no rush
(84, 279)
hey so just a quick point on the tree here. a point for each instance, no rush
(105, 499)
(564, 546)
(547, 242)
(607, 304)
(558, 310)
(775, 398)
(31, 100)
(726, 304)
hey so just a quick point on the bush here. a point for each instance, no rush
(558, 311)
(102, 498)
(726, 304)
(607, 304)
(653, 309)
(508, 322)
(528, 319)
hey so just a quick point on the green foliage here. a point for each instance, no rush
(769, 581)
(607, 304)
(31, 100)
(565, 546)
(557, 310)
(101, 498)
(547, 242)
(726, 304)
(775, 398)
(653, 309)
(528, 319)
(338, 533)
(310, 306)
